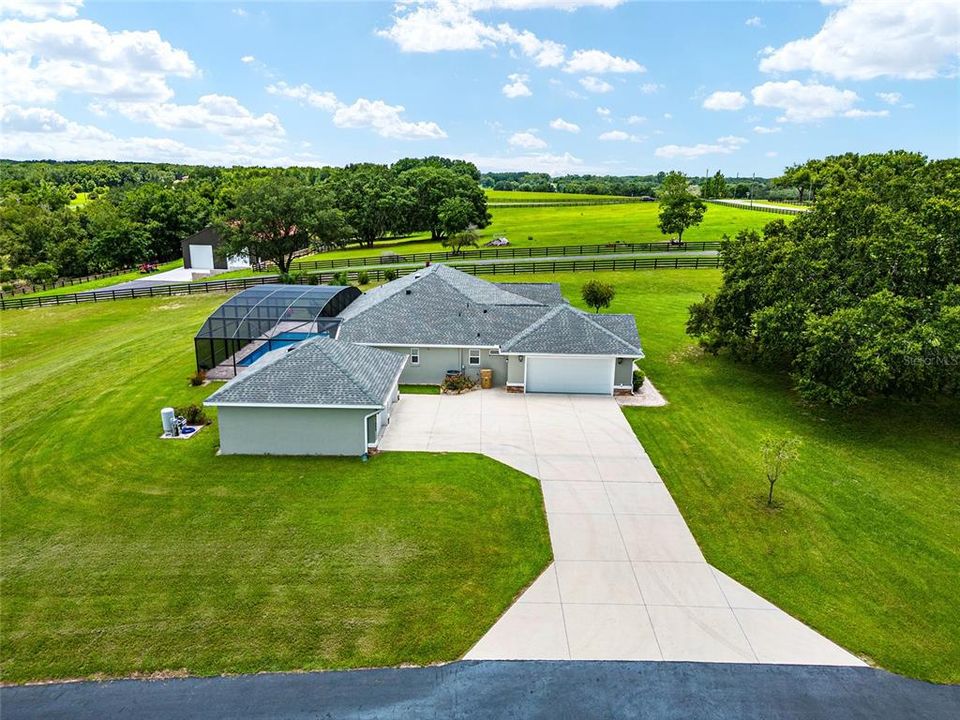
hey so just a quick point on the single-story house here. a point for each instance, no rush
(200, 253)
(320, 397)
(527, 334)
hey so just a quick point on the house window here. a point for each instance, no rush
(414, 356)
(474, 358)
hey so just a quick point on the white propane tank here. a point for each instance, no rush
(168, 418)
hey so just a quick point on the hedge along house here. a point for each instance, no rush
(321, 397)
(261, 319)
(527, 334)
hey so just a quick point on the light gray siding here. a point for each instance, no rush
(291, 431)
(623, 374)
(434, 363)
(497, 363)
(514, 370)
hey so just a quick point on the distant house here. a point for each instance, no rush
(200, 253)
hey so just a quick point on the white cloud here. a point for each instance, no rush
(804, 102)
(754, 21)
(34, 133)
(517, 87)
(603, 112)
(239, 12)
(386, 120)
(595, 85)
(761, 130)
(561, 124)
(723, 146)
(636, 120)
(667, 116)
(36, 10)
(534, 162)
(527, 141)
(430, 26)
(598, 62)
(41, 60)
(220, 114)
(650, 88)
(890, 98)
(857, 113)
(866, 39)
(323, 100)
(725, 100)
(247, 59)
(771, 153)
(617, 136)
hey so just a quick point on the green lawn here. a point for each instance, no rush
(419, 389)
(80, 200)
(123, 553)
(101, 283)
(578, 225)
(866, 548)
(517, 196)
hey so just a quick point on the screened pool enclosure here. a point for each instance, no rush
(260, 319)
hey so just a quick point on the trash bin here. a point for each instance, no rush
(486, 379)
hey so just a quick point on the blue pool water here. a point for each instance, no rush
(276, 342)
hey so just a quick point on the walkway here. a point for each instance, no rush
(628, 581)
(468, 691)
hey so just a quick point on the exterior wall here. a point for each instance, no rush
(514, 370)
(291, 431)
(497, 363)
(434, 363)
(623, 373)
(207, 236)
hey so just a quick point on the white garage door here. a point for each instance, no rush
(570, 375)
(201, 257)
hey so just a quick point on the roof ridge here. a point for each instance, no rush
(336, 361)
(587, 316)
(534, 325)
(473, 278)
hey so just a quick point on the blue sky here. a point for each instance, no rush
(581, 86)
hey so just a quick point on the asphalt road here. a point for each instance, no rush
(466, 690)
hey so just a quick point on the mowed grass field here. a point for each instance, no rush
(578, 225)
(515, 196)
(121, 553)
(101, 282)
(866, 548)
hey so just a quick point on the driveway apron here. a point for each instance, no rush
(628, 581)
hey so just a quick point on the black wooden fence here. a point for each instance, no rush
(62, 282)
(761, 208)
(517, 268)
(494, 253)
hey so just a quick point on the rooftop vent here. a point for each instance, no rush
(409, 291)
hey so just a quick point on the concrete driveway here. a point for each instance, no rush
(628, 581)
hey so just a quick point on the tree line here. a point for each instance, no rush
(858, 298)
(73, 219)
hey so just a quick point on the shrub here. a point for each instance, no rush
(198, 378)
(389, 274)
(363, 277)
(341, 278)
(193, 414)
(42, 272)
(313, 279)
(529, 238)
(457, 383)
(639, 376)
(597, 294)
(7, 275)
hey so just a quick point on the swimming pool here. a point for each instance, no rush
(276, 342)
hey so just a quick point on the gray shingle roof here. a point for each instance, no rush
(440, 305)
(546, 293)
(320, 371)
(567, 330)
